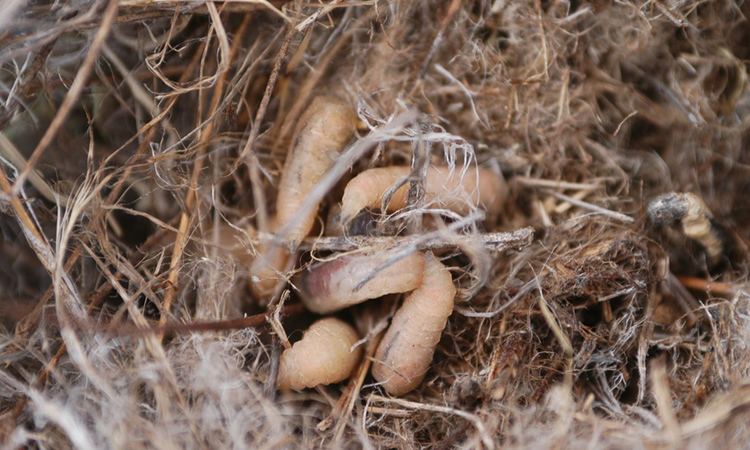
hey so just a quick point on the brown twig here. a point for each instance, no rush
(450, 12)
(346, 403)
(255, 320)
(699, 284)
(248, 154)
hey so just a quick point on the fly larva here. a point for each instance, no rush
(405, 353)
(325, 128)
(456, 190)
(324, 355)
(694, 217)
(334, 285)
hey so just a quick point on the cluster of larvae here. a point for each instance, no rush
(327, 352)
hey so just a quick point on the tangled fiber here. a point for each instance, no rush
(135, 133)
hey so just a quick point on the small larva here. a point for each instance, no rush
(332, 285)
(406, 350)
(325, 128)
(694, 217)
(324, 355)
(448, 190)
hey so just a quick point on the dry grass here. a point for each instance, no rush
(129, 127)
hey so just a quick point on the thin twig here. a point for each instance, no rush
(256, 320)
(554, 184)
(597, 209)
(350, 395)
(699, 284)
(663, 397)
(500, 241)
(249, 154)
(405, 250)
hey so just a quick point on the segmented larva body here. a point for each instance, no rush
(697, 225)
(454, 190)
(324, 355)
(406, 350)
(325, 128)
(332, 285)
(327, 125)
(693, 215)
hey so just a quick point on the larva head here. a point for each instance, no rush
(316, 283)
(353, 279)
(353, 201)
(329, 116)
(366, 190)
(667, 209)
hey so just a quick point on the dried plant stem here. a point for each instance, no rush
(554, 325)
(204, 141)
(173, 6)
(717, 287)
(248, 153)
(9, 151)
(255, 320)
(663, 397)
(450, 12)
(597, 209)
(345, 405)
(498, 242)
(554, 184)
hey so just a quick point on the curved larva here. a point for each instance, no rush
(443, 188)
(324, 355)
(406, 351)
(693, 215)
(325, 128)
(332, 285)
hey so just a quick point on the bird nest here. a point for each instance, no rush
(137, 133)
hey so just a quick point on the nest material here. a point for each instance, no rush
(144, 124)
